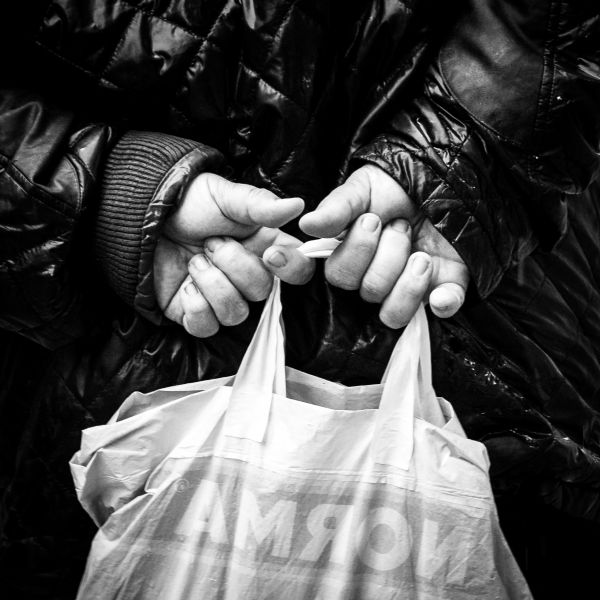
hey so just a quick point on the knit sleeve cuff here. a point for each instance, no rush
(144, 176)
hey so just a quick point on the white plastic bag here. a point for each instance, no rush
(275, 484)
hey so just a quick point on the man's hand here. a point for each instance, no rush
(390, 252)
(206, 263)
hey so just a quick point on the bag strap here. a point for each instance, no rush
(262, 371)
(428, 406)
(407, 394)
(407, 391)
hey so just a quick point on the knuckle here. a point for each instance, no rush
(196, 262)
(259, 290)
(413, 290)
(211, 278)
(297, 272)
(365, 244)
(226, 253)
(413, 287)
(257, 195)
(197, 307)
(342, 277)
(233, 312)
(305, 274)
(391, 318)
(372, 289)
(200, 327)
(218, 186)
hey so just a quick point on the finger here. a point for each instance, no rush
(174, 309)
(446, 299)
(368, 189)
(388, 263)
(250, 205)
(265, 237)
(404, 299)
(170, 270)
(244, 269)
(224, 299)
(346, 267)
(289, 264)
(198, 318)
(340, 208)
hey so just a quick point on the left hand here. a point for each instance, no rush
(391, 252)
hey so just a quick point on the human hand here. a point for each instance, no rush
(206, 262)
(391, 252)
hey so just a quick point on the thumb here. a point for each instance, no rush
(249, 205)
(339, 208)
(368, 189)
(214, 206)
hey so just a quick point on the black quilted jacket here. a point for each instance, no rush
(486, 111)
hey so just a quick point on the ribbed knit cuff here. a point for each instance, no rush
(143, 178)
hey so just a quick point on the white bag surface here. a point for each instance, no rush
(275, 484)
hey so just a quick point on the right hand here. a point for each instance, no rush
(207, 263)
(391, 252)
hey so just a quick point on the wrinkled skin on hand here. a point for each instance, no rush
(390, 252)
(207, 264)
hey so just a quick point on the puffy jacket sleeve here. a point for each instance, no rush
(504, 132)
(73, 196)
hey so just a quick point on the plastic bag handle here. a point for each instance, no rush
(407, 390)
(407, 394)
(262, 371)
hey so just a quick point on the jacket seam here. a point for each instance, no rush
(452, 96)
(547, 72)
(35, 192)
(80, 68)
(195, 55)
(284, 19)
(275, 89)
(71, 160)
(74, 155)
(74, 158)
(119, 45)
(153, 15)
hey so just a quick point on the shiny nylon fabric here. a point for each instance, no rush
(521, 367)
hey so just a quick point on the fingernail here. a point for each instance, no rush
(191, 289)
(445, 300)
(277, 259)
(370, 222)
(213, 243)
(199, 262)
(420, 264)
(400, 225)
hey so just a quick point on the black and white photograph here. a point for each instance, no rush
(300, 300)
